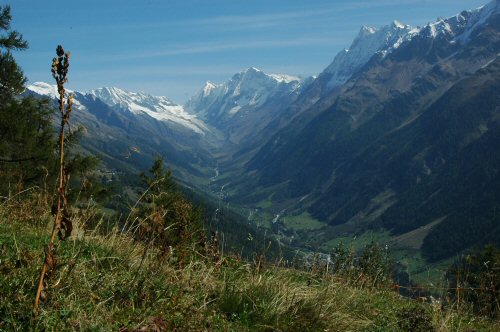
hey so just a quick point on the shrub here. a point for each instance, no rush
(372, 268)
(415, 318)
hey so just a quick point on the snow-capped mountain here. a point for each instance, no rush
(137, 103)
(140, 103)
(249, 89)
(462, 25)
(368, 42)
(45, 89)
(128, 129)
(48, 90)
(371, 41)
(242, 108)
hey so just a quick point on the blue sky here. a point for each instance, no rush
(171, 48)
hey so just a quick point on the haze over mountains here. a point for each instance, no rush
(399, 133)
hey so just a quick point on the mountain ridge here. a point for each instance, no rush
(327, 146)
(342, 164)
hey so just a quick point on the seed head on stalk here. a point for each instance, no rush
(62, 223)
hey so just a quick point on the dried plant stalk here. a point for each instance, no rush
(62, 225)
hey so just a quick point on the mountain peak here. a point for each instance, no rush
(366, 31)
(368, 42)
(397, 24)
(249, 73)
(250, 88)
(209, 87)
(252, 70)
(255, 73)
(475, 18)
(114, 95)
(45, 89)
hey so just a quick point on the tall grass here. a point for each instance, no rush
(106, 280)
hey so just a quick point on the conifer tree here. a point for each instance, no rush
(26, 140)
(167, 217)
(12, 78)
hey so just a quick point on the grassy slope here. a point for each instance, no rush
(106, 281)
